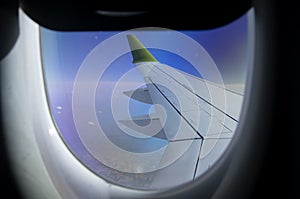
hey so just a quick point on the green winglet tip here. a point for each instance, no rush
(138, 51)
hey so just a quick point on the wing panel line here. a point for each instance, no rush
(197, 95)
(176, 108)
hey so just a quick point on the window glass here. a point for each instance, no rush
(148, 108)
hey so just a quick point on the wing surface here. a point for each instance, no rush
(188, 109)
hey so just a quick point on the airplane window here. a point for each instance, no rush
(147, 108)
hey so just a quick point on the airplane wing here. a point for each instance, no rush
(187, 98)
(187, 109)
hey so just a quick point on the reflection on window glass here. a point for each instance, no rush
(147, 108)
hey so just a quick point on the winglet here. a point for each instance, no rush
(138, 51)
